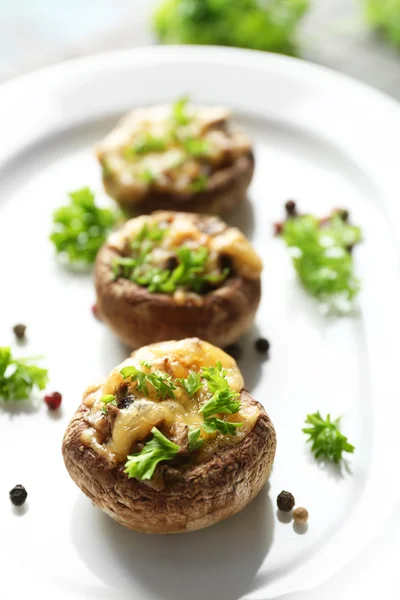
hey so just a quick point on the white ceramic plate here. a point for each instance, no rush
(319, 138)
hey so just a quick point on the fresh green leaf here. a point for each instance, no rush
(146, 364)
(192, 384)
(226, 427)
(147, 175)
(146, 144)
(384, 16)
(215, 377)
(161, 382)
(195, 441)
(141, 466)
(327, 440)
(200, 183)
(136, 376)
(251, 24)
(179, 111)
(81, 227)
(18, 377)
(197, 147)
(322, 259)
(108, 398)
(223, 401)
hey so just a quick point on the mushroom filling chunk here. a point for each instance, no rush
(171, 148)
(173, 403)
(173, 253)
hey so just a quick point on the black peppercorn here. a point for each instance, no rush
(290, 208)
(18, 495)
(343, 214)
(234, 350)
(285, 501)
(19, 330)
(262, 345)
(171, 263)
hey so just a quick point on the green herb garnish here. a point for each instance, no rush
(197, 147)
(384, 16)
(18, 377)
(147, 175)
(192, 384)
(148, 143)
(81, 227)
(161, 382)
(200, 183)
(224, 400)
(142, 465)
(195, 441)
(322, 258)
(213, 424)
(108, 399)
(179, 111)
(190, 272)
(327, 441)
(251, 24)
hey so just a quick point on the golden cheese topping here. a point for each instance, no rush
(193, 232)
(155, 147)
(117, 435)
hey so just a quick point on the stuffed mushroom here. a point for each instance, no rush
(179, 157)
(171, 441)
(175, 275)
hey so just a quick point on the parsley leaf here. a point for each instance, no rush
(148, 143)
(18, 378)
(200, 183)
(215, 377)
(81, 227)
(223, 401)
(195, 441)
(190, 272)
(161, 382)
(196, 147)
(252, 24)
(141, 466)
(327, 440)
(192, 384)
(147, 175)
(108, 399)
(179, 111)
(323, 261)
(214, 424)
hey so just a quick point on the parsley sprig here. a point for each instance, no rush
(18, 376)
(161, 382)
(142, 465)
(190, 272)
(81, 227)
(327, 440)
(323, 259)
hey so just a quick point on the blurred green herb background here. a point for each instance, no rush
(258, 24)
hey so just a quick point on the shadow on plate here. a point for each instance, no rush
(251, 362)
(218, 562)
(112, 351)
(242, 217)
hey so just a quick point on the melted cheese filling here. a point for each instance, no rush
(184, 229)
(172, 166)
(133, 424)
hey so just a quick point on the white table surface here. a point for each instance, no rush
(34, 33)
